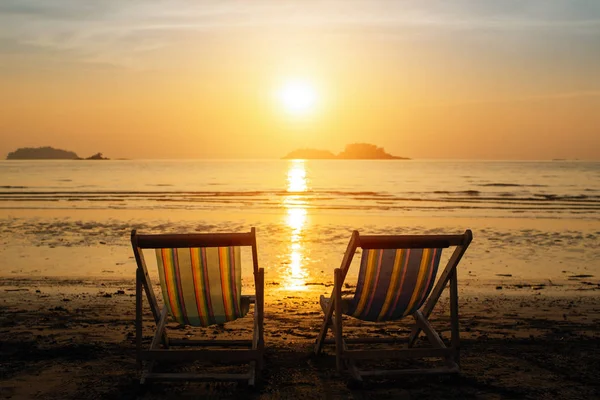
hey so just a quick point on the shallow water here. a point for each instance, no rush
(538, 222)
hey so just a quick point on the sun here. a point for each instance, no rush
(298, 97)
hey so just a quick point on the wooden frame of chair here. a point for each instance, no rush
(332, 309)
(253, 354)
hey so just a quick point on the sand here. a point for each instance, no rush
(73, 339)
(529, 307)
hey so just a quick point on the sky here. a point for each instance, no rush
(480, 79)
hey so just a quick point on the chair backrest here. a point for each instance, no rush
(200, 275)
(394, 282)
(201, 286)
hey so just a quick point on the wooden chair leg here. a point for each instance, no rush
(138, 318)
(160, 329)
(259, 317)
(346, 261)
(338, 319)
(455, 331)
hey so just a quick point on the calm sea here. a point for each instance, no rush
(545, 189)
(532, 221)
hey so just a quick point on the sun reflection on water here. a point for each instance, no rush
(296, 176)
(295, 275)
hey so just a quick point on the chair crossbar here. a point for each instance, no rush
(194, 240)
(409, 241)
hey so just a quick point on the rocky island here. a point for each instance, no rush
(355, 151)
(97, 156)
(48, 153)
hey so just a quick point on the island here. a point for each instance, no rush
(48, 153)
(97, 156)
(354, 151)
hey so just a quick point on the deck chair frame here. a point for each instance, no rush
(332, 309)
(162, 348)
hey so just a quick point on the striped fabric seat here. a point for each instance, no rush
(392, 283)
(201, 286)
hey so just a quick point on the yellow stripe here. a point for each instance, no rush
(394, 284)
(366, 288)
(213, 270)
(186, 280)
(174, 287)
(225, 281)
(162, 279)
(421, 279)
(167, 255)
(199, 286)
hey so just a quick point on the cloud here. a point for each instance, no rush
(549, 96)
(115, 30)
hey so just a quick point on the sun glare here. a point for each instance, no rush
(295, 274)
(298, 97)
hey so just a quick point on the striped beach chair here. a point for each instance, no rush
(396, 279)
(201, 284)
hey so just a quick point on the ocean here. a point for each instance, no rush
(505, 189)
(533, 221)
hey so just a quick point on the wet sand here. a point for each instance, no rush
(95, 243)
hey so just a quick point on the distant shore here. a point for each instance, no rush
(355, 151)
(49, 153)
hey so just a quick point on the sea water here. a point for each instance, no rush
(540, 189)
(532, 220)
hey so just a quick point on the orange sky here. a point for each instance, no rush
(177, 79)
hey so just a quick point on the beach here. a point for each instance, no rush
(529, 319)
(528, 288)
(74, 339)
(280, 169)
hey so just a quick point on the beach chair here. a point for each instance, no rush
(200, 281)
(397, 278)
